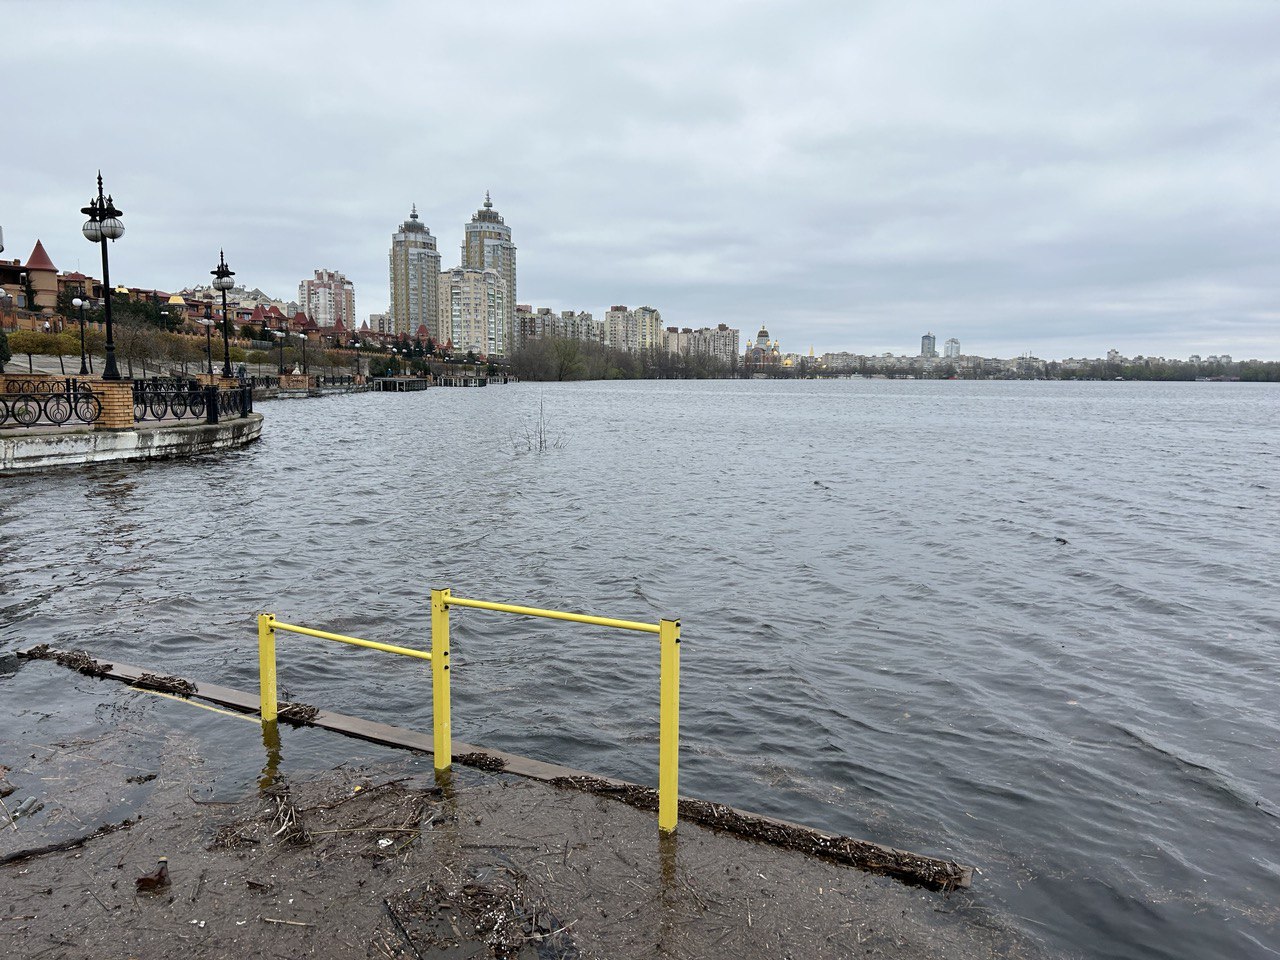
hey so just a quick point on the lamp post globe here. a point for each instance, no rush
(103, 225)
(282, 334)
(222, 281)
(79, 305)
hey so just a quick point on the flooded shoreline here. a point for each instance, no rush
(883, 635)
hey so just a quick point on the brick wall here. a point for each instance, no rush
(117, 404)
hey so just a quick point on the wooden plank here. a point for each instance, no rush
(472, 755)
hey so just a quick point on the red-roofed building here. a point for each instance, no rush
(39, 259)
(42, 279)
(79, 285)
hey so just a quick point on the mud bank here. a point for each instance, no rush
(381, 860)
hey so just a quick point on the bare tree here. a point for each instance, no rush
(135, 341)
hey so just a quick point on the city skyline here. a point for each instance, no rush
(1060, 181)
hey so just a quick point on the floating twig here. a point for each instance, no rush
(195, 891)
(12, 822)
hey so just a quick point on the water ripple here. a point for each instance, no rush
(885, 633)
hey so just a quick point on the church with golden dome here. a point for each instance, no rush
(764, 357)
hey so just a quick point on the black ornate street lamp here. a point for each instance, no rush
(208, 336)
(79, 305)
(222, 275)
(103, 225)
(357, 346)
(282, 334)
(304, 351)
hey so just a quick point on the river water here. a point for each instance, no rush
(1031, 626)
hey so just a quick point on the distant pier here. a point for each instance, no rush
(400, 384)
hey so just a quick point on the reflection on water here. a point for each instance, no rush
(1030, 626)
(117, 511)
(271, 744)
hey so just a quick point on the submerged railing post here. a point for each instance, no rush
(267, 704)
(669, 725)
(442, 733)
(441, 725)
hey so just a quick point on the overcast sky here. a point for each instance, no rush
(1020, 174)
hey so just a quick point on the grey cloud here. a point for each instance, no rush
(1060, 178)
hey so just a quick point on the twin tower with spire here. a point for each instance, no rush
(469, 307)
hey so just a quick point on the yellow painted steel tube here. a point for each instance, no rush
(267, 705)
(554, 615)
(354, 641)
(441, 720)
(669, 726)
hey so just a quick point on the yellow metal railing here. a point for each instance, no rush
(268, 700)
(668, 632)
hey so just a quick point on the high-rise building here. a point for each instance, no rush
(633, 330)
(473, 311)
(720, 342)
(928, 345)
(415, 277)
(951, 349)
(487, 246)
(580, 326)
(543, 322)
(329, 299)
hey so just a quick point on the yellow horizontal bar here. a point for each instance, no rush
(354, 641)
(203, 706)
(553, 615)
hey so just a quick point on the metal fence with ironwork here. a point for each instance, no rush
(155, 401)
(48, 402)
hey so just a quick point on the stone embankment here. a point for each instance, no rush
(48, 422)
(23, 450)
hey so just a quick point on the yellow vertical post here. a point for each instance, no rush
(442, 726)
(669, 725)
(267, 666)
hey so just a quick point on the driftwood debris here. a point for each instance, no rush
(491, 908)
(73, 659)
(481, 761)
(298, 714)
(175, 685)
(71, 844)
(943, 875)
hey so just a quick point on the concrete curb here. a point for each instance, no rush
(26, 450)
(910, 868)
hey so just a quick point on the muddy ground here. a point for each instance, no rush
(380, 861)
